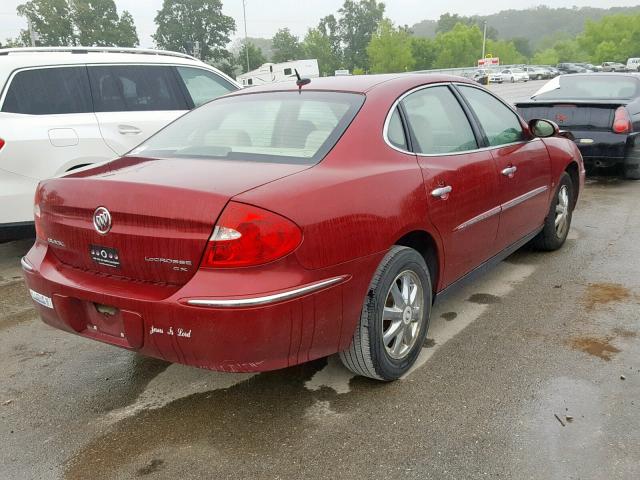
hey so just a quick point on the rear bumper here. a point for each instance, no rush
(256, 332)
(603, 148)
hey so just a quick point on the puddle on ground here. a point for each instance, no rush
(448, 316)
(598, 347)
(603, 293)
(484, 298)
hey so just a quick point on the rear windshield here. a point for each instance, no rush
(589, 87)
(285, 127)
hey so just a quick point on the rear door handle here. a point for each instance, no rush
(441, 192)
(509, 171)
(129, 130)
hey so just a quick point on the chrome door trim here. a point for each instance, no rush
(479, 218)
(501, 208)
(266, 299)
(524, 197)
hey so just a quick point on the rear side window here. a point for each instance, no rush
(49, 91)
(125, 88)
(285, 127)
(500, 124)
(395, 131)
(203, 85)
(438, 122)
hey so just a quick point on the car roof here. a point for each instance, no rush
(358, 83)
(16, 58)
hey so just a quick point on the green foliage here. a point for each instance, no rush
(358, 71)
(51, 19)
(523, 46)
(286, 46)
(547, 56)
(256, 57)
(97, 24)
(183, 24)
(357, 23)
(78, 22)
(424, 51)
(317, 44)
(390, 49)
(614, 38)
(506, 51)
(459, 47)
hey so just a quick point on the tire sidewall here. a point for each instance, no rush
(565, 180)
(387, 367)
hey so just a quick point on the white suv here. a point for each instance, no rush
(65, 108)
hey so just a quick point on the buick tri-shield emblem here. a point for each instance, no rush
(102, 220)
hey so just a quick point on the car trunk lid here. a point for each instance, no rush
(572, 115)
(162, 213)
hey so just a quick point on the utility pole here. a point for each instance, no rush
(484, 39)
(246, 44)
(33, 36)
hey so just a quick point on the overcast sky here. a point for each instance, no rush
(265, 17)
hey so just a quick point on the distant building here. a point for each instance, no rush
(279, 72)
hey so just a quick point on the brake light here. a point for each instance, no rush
(622, 121)
(37, 214)
(2, 142)
(247, 236)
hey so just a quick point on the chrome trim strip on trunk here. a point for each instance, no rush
(26, 265)
(523, 198)
(267, 299)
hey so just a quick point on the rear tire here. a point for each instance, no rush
(394, 319)
(558, 220)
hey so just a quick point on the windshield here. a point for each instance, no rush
(284, 127)
(589, 87)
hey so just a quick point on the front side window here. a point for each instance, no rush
(49, 91)
(500, 123)
(126, 88)
(285, 127)
(438, 122)
(203, 85)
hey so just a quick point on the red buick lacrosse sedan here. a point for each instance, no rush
(280, 224)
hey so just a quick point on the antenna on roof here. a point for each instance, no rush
(301, 82)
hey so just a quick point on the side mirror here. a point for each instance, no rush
(543, 128)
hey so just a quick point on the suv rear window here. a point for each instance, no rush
(285, 127)
(49, 91)
(125, 88)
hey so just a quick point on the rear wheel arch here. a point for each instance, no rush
(574, 172)
(424, 243)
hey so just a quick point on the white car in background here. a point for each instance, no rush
(65, 108)
(514, 75)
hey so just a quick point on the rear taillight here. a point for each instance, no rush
(37, 217)
(2, 142)
(622, 121)
(247, 236)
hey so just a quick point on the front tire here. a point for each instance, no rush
(394, 319)
(558, 220)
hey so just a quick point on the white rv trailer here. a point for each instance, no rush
(279, 72)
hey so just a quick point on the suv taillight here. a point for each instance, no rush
(622, 121)
(246, 236)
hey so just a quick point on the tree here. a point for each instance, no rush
(459, 47)
(424, 52)
(614, 38)
(317, 45)
(506, 51)
(183, 24)
(286, 46)
(98, 24)
(523, 46)
(547, 56)
(51, 19)
(256, 57)
(358, 22)
(390, 49)
(447, 21)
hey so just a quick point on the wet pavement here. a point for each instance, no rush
(531, 372)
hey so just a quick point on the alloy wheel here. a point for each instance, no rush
(562, 211)
(402, 316)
